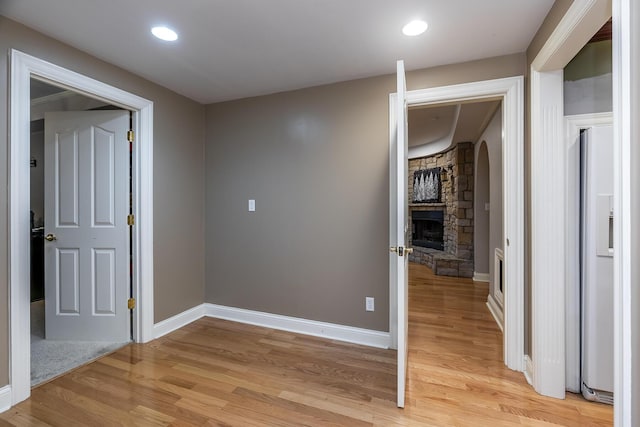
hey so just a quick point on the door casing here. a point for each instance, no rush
(510, 91)
(23, 68)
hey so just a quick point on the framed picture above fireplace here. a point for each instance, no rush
(427, 186)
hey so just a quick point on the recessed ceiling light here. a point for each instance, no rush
(414, 28)
(164, 33)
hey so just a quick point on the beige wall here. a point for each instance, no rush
(178, 174)
(316, 162)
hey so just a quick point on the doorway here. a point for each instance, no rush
(23, 68)
(511, 92)
(456, 178)
(79, 160)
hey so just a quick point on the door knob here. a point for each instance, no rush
(393, 249)
(408, 251)
(50, 237)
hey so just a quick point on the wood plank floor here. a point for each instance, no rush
(215, 372)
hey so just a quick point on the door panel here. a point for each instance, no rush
(67, 282)
(103, 196)
(399, 259)
(86, 207)
(66, 178)
(104, 282)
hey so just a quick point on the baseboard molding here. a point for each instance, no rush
(5, 398)
(302, 326)
(496, 311)
(480, 277)
(178, 321)
(528, 369)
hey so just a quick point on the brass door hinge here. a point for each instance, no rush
(131, 219)
(131, 303)
(130, 135)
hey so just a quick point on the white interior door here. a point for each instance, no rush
(398, 259)
(86, 232)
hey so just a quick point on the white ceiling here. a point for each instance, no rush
(231, 49)
(428, 125)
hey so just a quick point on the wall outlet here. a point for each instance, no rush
(252, 205)
(369, 303)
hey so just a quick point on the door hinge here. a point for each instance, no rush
(131, 303)
(131, 219)
(130, 135)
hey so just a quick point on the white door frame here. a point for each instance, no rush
(550, 231)
(510, 91)
(573, 125)
(626, 132)
(23, 68)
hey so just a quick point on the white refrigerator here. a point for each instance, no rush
(597, 263)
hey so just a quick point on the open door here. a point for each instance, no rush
(398, 260)
(86, 231)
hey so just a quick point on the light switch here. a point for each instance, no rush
(369, 303)
(252, 205)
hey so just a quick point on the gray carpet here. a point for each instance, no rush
(52, 358)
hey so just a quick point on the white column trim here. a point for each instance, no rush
(23, 68)
(626, 110)
(548, 231)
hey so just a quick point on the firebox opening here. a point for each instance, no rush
(428, 229)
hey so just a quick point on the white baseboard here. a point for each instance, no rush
(480, 277)
(496, 311)
(178, 321)
(274, 321)
(302, 326)
(528, 369)
(5, 398)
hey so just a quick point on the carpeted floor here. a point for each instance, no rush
(52, 358)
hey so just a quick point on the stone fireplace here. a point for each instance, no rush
(441, 211)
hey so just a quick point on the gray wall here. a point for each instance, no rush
(588, 80)
(316, 162)
(492, 136)
(481, 224)
(178, 174)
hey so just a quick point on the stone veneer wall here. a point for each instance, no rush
(457, 204)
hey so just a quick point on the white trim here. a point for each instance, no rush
(548, 200)
(498, 274)
(5, 398)
(626, 130)
(573, 125)
(496, 311)
(481, 277)
(24, 67)
(528, 369)
(511, 91)
(578, 25)
(548, 175)
(301, 326)
(176, 322)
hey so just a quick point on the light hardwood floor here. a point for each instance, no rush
(215, 372)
